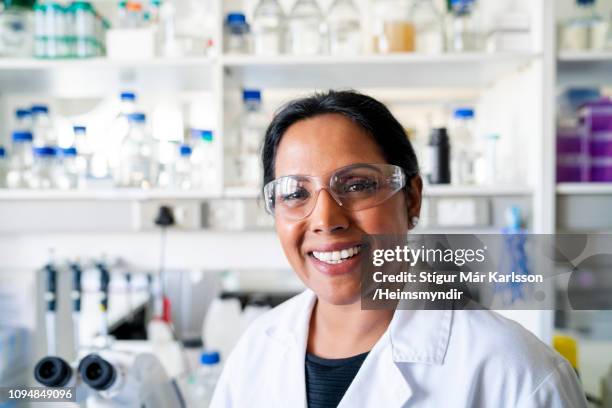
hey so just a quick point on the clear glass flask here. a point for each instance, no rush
(268, 28)
(464, 31)
(429, 27)
(344, 28)
(306, 31)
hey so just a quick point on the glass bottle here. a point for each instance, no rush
(203, 381)
(23, 119)
(67, 172)
(83, 160)
(344, 28)
(20, 163)
(16, 29)
(268, 28)
(45, 168)
(183, 169)
(44, 134)
(3, 167)
(252, 132)
(463, 154)
(583, 31)
(464, 35)
(392, 28)
(429, 26)
(204, 159)
(137, 159)
(306, 29)
(236, 34)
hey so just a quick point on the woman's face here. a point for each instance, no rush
(315, 147)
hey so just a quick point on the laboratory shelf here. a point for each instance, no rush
(8, 64)
(584, 56)
(474, 191)
(590, 68)
(105, 194)
(584, 189)
(393, 70)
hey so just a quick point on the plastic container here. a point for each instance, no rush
(85, 41)
(572, 157)
(236, 34)
(268, 28)
(23, 119)
(464, 154)
(344, 28)
(68, 172)
(204, 380)
(464, 31)
(306, 30)
(183, 176)
(204, 159)
(439, 157)
(21, 160)
(42, 126)
(601, 169)
(252, 131)
(138, 166)
(585, 30)
(392, 29)
(45, 168)
(16, 30)
(3, 167)
(224, 336)
(429, 27)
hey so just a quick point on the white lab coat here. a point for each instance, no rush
(433, 359)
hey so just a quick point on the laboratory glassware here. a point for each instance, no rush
(439, 157)
(3, 167)
(183, 177)
(84, 29)
(393, 31)
(463, 155)
(585, 29)
(21, 160)
(45, 168)
(204, 159)
(236, 34)
(84, 148)
(268, 28)
(429, 27)
(42, 125)
(252, 130)
(306, 29)
(205, 378)
(68, 173)
(137, 167)
(464, 34)
(344, 28)
(23, 119)
(16, 30)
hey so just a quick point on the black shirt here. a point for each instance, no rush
(328, 379)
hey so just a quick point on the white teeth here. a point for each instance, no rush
(336, 257)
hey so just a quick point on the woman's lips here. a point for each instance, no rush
(336, 269)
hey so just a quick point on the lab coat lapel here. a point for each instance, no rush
(379, 382)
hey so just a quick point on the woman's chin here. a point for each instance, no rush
(338, 295)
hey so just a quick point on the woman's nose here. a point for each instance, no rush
(327, 215)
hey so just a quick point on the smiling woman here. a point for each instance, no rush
(337, 167)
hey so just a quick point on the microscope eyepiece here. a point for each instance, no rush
(52, 372)
(96, 372)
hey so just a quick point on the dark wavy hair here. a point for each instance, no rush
(365, 111)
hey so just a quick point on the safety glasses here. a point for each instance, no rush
(355, 187)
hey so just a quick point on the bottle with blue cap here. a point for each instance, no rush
(268, 28)
(464, 149)
(3, 167)
(138, 155)
(204, 380)
(183, 176)
(68, 171)
(465, 31)
(46, 168)
(21, 160)
(117, 133)
(42, 126)
(237, 34)
(306, 31)
(205, 173)
(23, 119)
(252, 131)
(585, 29)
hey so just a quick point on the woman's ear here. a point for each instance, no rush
(413, 194)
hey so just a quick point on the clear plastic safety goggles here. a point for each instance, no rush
(355, 187)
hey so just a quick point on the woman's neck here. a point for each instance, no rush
(338, 331)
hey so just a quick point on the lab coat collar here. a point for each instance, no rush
(414, 336)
